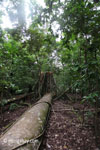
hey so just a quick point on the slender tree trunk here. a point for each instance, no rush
(95, 54)
(80, 53)
(85, 55)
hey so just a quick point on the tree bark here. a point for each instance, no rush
(25, 134)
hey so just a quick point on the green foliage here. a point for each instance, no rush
(91, 97)
(24, 53)
(13, 106)
(73, 57)
(3, 102)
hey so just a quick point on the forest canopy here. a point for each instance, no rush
(62, 37)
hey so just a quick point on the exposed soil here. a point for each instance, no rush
(67, 129)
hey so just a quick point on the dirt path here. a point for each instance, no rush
(65, 130)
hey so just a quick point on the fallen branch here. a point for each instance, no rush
(75, 110)
(19, 97)
(62, 94)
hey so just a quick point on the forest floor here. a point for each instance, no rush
(9, 117)
(66, 129)
(69, 126)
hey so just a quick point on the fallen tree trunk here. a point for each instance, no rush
(26, 133)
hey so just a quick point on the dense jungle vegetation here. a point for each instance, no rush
(63, 37)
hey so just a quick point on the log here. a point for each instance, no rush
(26, 133)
